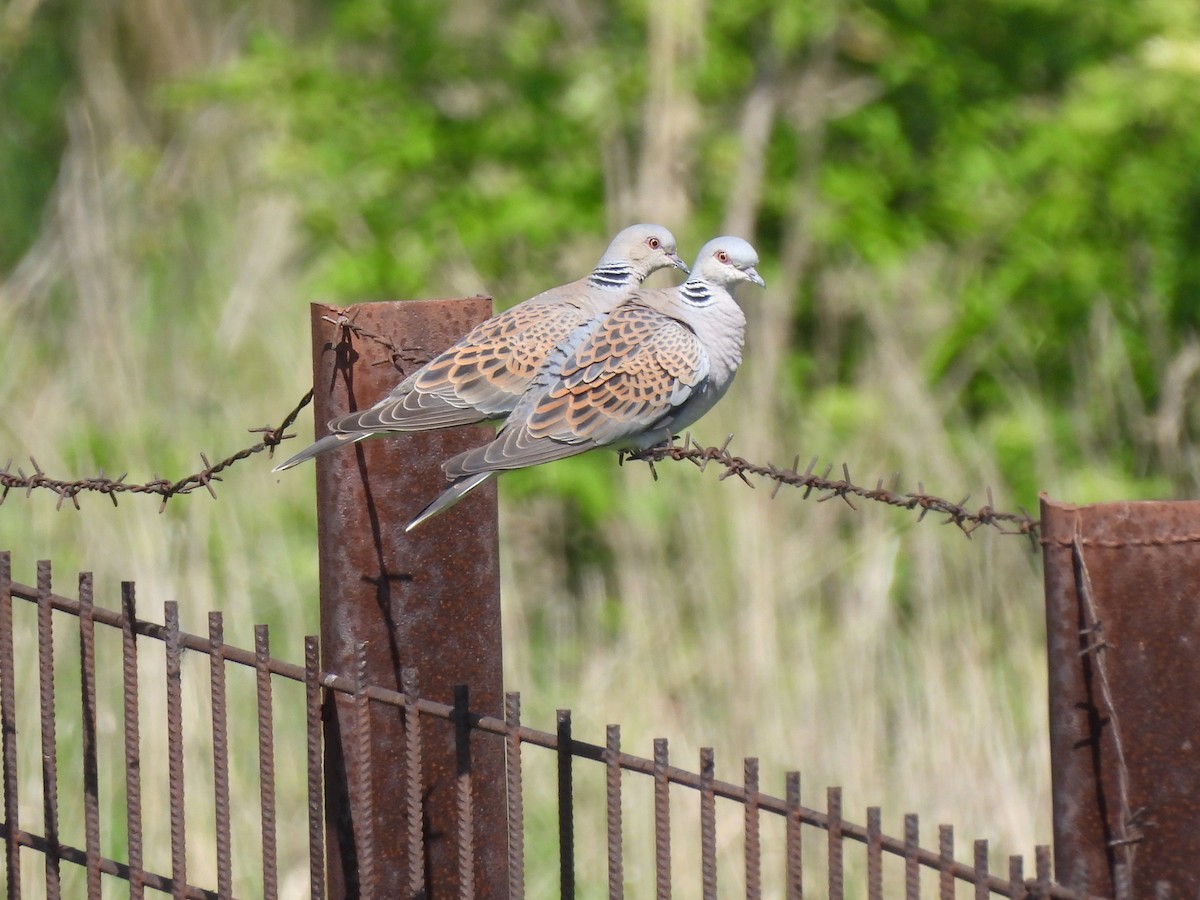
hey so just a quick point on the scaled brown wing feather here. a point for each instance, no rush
(494, 364)
(481, 377)
(635, 368)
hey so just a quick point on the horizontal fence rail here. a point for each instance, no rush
(566, 756)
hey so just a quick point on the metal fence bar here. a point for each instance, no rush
(132, 739)
(946, 852)
(912, 871)
(1016, 877)
(220, 746)
(708, 825)
(91, 766)
(566, 808)
(174, 655)
(612, 803)
(361, 873)
(662, 821)
(516, 801)
(49, 736)
(315, 780)
(875, 853)
(414, 793)
(8, 732)
(199, 643)
(1042, 862)
(104, 865)
(833, 805)
(266, 761)
(462, 789)
(753, 848)
(794, 855)
(981, 870)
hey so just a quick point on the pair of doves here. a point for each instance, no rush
(598, 362)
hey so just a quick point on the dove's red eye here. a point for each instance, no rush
(654, 243)
(722, 256)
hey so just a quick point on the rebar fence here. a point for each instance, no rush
(776, 828)
(82, 778)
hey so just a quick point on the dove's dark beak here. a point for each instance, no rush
(752, 274)
(678, 263)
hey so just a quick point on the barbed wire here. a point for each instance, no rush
(397, 356)
(166, 489)
(690, 450)
(957, 514)
(70, 490)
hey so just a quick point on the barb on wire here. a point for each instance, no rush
(843, 488)
(67, 489)
(70, 490)
(399, 357)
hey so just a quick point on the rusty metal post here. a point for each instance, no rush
(1123, 631)
(428, 601)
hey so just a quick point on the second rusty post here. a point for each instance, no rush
(428, 601)
(1123, 629)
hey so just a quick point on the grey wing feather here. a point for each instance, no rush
(448, 498)
(325, 444)
(408, 410)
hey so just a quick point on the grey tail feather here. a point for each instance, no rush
(329, 442)
(449, 497)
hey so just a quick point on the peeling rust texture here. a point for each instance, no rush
(1123, 629)
(429, 601)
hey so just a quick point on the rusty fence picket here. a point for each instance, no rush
(766, 819)
(315, 770)
(91, 776)
(132, 742)
(516, 800)
(266, 760)
(874, 852)
(8, 729)
(49, 730)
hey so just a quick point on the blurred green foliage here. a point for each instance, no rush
(35, 74)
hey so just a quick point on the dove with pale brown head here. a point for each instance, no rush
(484, 375)
(649, 369)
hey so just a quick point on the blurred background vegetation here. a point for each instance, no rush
(979, 223)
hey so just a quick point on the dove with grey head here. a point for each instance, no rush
(641, 374)
(485, 374)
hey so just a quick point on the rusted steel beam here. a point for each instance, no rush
(1122, 630)
(428, 601)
